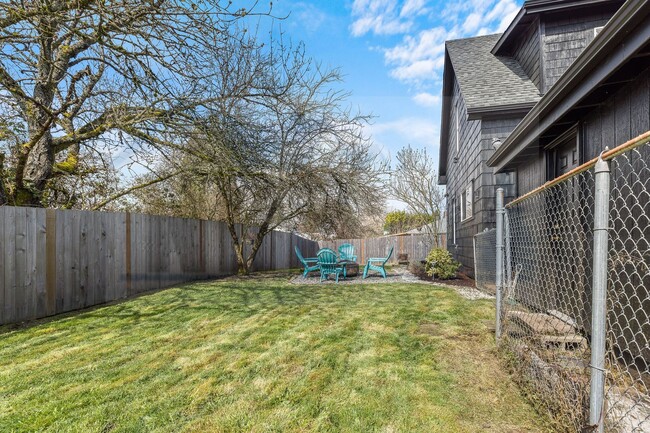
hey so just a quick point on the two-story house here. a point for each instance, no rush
(496, 84)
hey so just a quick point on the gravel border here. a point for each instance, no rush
(393, 275)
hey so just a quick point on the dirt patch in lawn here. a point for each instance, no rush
(430, 329)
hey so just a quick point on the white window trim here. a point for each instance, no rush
(467, 202)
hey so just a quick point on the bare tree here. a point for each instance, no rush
(74, 71)
(415, 183)
(277, 157)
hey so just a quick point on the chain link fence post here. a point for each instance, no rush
(599, 295)
(500, 211)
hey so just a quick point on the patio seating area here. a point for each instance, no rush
(342, 265)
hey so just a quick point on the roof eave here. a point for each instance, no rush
(506, 34)
(444, 119)
(522, 108)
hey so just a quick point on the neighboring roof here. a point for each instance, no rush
(533, 8)
(616, 55)
(487, 80)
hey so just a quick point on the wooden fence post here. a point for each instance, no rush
(50, 261)
(127, 245)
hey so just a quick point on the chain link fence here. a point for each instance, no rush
(627, 397)
(551, 294)
(485, 263)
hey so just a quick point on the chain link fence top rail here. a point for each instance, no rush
(546, 307)
(485, 263)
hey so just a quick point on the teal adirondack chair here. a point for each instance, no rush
(328, 263)
(310, 264)
(346, 252)
(377, 264)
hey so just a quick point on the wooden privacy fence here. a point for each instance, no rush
(55, 261)
(417, 246)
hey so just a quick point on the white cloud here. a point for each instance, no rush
(419, 70)
(385, 17)
(419, 58)
(309, 16)
(413, 7)
(426, 99)
(413, 130)
(472, 22)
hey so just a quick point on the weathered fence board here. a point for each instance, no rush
(417, 246)
(54, 261)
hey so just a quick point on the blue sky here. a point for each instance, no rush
(391, 53)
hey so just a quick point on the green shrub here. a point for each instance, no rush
(441, 265)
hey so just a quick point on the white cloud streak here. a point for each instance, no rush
(419, 58)
(426, 99)
(385, 17)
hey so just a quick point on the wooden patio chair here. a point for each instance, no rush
(310, 264)
(346, 253)
(377, 264)
(328, 263)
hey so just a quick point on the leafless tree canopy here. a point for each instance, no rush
(415, 182)
(277, 157)
(72, 72)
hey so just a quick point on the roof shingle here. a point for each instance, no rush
(487, 80)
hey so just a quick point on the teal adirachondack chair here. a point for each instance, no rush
(310, 264)
(377, 264)
(346, 252)
(328, 263)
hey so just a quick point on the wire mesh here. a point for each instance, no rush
(627, 394)
(546, 299)
(547, 311)
(485, 260)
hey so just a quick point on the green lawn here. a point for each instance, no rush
(262, 355)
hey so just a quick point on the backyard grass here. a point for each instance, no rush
(260, 354)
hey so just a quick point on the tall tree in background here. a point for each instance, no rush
(400, 221)
(414, 181)
(79, 75)
(276, 158)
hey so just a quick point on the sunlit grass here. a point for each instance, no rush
(262, 355)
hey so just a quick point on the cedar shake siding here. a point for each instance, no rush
(462, 167)
(527, 53)
(565, 38)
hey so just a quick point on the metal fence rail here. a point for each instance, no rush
(575, 299)
(485, 260)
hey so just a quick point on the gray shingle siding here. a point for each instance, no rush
(527, 53)
(475, 148)
(564, 39)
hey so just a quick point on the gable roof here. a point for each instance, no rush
(489, 84)
(487, 80)
(532, 8)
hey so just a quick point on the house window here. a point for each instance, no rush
(466, 202)
(563, 154)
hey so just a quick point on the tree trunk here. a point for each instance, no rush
(36, 172)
